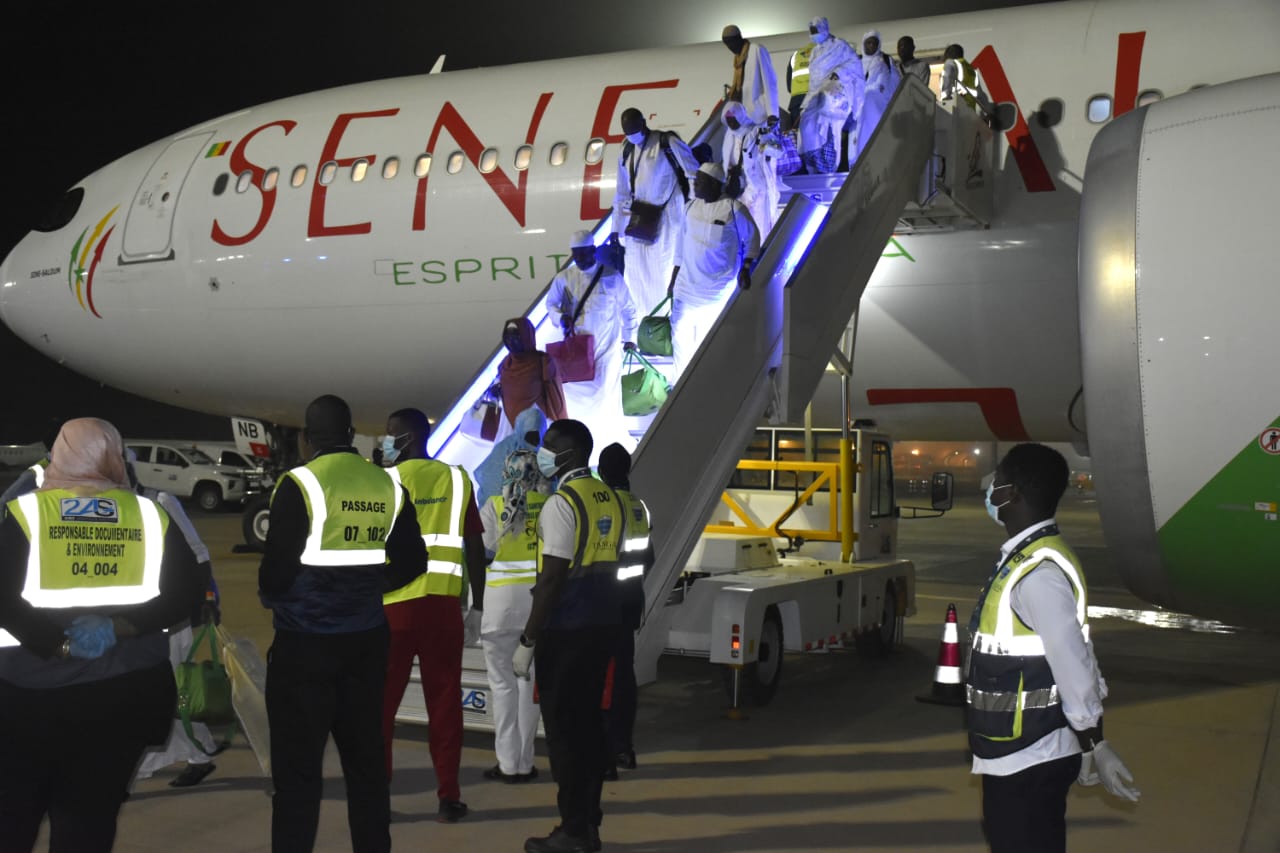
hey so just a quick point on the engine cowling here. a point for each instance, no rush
(1179, 310)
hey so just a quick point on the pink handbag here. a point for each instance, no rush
(575, 357)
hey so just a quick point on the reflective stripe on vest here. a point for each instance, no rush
(72, 562)
(516, 558)
(38, 470)
(631, 559)
(800, 70)
(440, 495)
(1013, 699)
(361, 544)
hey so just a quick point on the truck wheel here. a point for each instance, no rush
(255, 521)
(760, 679)
(879, 642)
(208, 497)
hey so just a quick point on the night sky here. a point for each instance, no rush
(87, 83)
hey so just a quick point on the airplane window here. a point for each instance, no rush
(327, 173)
(1150, 96)
(270, 179)
(390, 168)
(559, 153)
(595, 151)
(359, 169)
(454, 166)
(243, 182)
(524, 156)
(220, 183)
(299, 176)
(422, 166)
(1099, 109)
(489, 160)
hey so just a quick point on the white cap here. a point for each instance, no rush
(581, 239)
(714, 170)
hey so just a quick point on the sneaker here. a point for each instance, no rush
(451, 811)
(193, 775)
(495, 774)
(558, 841)
(626, 759)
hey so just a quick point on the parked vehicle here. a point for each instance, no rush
(184, 470)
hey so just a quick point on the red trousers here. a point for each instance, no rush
(429, 628)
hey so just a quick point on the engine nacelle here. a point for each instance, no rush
(1179, 312)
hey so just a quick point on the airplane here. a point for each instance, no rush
(370, 240)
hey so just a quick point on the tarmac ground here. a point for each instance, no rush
(844, 758)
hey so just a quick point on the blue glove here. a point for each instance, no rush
(91, 636)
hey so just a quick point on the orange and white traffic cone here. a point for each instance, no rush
(948, 685)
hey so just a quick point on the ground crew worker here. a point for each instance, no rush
(91, 574)
(633, 564)
(958, 77)
(511, 541)
(798, 81)
(571, 631)
(343, 532)
(718, 243)
(1034, 688)
(425, 615)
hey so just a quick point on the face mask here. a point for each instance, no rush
(389, 450)
(818, 37)
(992, 509)
(637, 138)
(547, 462)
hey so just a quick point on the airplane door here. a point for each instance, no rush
(875, 519)
(148, 230)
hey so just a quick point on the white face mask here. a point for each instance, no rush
(547, 462)
(638, 137)
(993, 510)
(390, 453)
(818, 37)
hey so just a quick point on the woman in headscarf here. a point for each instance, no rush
(527, 376)
(526, 434)
(91, 574)
(511, 543)
(882, 80)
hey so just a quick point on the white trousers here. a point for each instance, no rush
(515, 717)
(178, 747)
(690, 324)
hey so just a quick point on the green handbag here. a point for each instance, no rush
(204, 690)
(654, 335)
(644, 390)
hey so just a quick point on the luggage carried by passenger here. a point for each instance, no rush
(485, 416)
(654, 335)
(784, 151)
(575, 357)
(644, 390)
(204, 689)
(645, 223)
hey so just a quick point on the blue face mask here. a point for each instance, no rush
(993, 510)
(390, 453)
(547, 462)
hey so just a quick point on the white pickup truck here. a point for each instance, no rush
(182, 469)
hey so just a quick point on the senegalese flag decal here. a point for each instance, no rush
(217, 149)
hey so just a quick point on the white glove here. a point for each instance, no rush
(522, 661)
(1105, 767)
(471, 627)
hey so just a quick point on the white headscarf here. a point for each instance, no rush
(823, 28)
(869, 59)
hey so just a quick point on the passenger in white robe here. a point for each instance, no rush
(609, 314)
(882, 80)
(747, 145)
(717, 246)
(755, 83)
(835, 93)
(655, 167)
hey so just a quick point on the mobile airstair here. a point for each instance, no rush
(762, 359)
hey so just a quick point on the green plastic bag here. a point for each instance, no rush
(204, 689)
(654, 335)
(644, 390)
